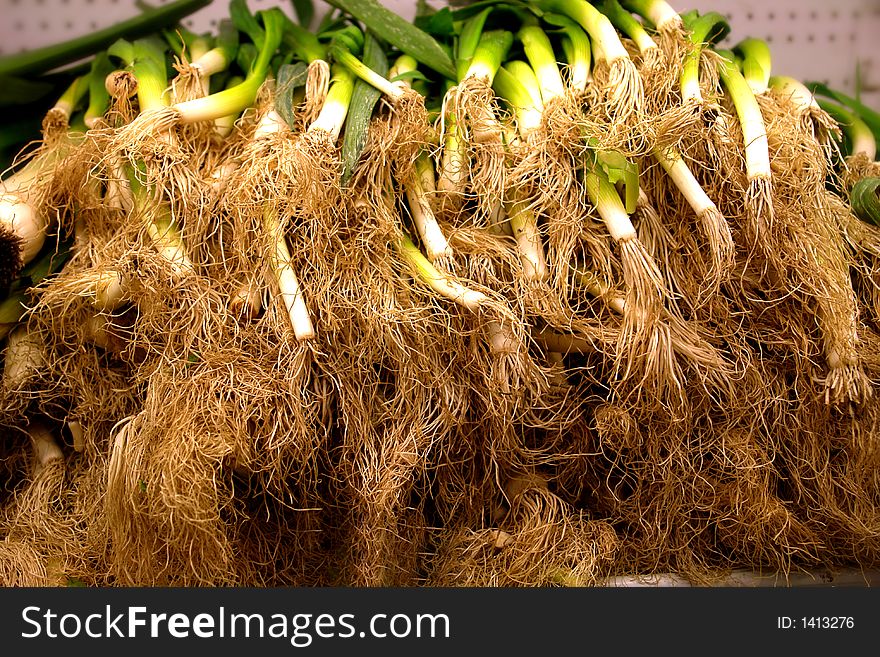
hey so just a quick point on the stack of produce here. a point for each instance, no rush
(521, 293)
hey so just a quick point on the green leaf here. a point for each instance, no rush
(409, 76)
(19, 91)
(865, 113)
(363, 101)
(305, 11)
(865, 200)
(44, 59)
(290, 78)
(246, 22)
(400, 33)
(619, 169)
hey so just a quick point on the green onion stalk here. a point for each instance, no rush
(205, 57)
(542, 182)
(57, 119)
(454, 165)
(549, 120)
(805, 246)
(755, 62)
(667, 21)
(99, 98)
(759, 193)
(499, 323)
(285, 280)
(296, 175)
(261, 190)
(158, 116)
(24, 219)
(306, 47)
(618, 80)
(722, 250)
(646, 295)
(419, 189)
(661, 70)
(472, 134)
(703, 29)
(653, 57)
(136, 181)
(860, 147)
(814, 120)
(405, 131)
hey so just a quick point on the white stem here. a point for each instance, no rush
(501, 340)
(288, 285)
(691, 92)
(210, 63)
(270, 124)
(20, 218)
(663, 15)
(612, 47)
(684, 180)
(167, 242)
(23, 357)
(330, 119)
(77, 433)
(109, 291)
(429, 230)
(528, 241)
(610, 208)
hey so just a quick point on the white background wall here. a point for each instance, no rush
(835, 42)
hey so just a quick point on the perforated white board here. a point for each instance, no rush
(835, 42)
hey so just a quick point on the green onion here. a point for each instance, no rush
(146, 60)
(526, 77)
(658, 12)
(336, 105)
(716, 227)
(751, 120)
(611, 209)
(625, 88)
(490, 53)
(162, 229)
(99, 98)
(363, 100)
(595, 23)
(400, 33)
(577, 49)
(222, 54)
(510, 87)
(626, 23)
(704, 29)
(539, 52)
(71, 97)
(756, 63)
(524, 225)
(241, 96)
(285, 278)
(861, 137)
(341, 54)
(224, 125)
(417, 191)
(444, 284)
(44, 59)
